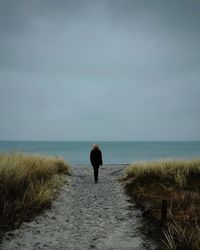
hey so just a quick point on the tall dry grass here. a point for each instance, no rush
(28, 184)
(178, 182)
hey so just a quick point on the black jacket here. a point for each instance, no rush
(96, 157)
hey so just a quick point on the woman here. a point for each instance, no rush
(96, 160)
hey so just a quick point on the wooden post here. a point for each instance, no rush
(163, 216)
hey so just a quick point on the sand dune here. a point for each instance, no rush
(85, 216)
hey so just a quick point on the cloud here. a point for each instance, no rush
(73, 70)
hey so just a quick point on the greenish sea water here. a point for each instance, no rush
(77, 153)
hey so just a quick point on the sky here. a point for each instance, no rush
(100, 70)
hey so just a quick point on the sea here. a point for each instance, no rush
(114, 152)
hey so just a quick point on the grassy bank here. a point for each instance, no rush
(177, 182)
(28, 184)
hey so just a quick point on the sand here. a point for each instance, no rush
(84, 216)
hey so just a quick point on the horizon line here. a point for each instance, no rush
(92, 141)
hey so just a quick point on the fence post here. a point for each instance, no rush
(163, 216)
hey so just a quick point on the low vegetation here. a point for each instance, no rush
(28, 184)
(177, 182)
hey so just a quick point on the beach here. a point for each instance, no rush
(85, 216)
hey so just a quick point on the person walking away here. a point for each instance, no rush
(96, 160)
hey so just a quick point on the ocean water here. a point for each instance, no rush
(77, 153)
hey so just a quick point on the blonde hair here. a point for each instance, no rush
(95, 146)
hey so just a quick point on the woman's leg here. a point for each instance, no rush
(96, 172)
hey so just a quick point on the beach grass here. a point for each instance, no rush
(28, 184)
(178, 183)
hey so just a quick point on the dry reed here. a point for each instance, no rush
(28, 184)
(176, 181)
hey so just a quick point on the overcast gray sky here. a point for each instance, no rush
(100, 70)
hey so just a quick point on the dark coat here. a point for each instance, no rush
(96, 157)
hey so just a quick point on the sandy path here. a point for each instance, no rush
(85, 216)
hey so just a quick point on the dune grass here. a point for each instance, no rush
(178, 182)
(28, 184)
